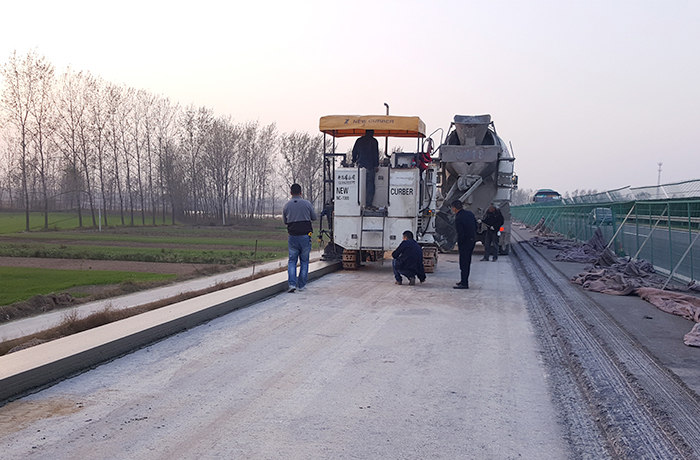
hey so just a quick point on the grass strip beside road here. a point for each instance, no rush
(72, 323)
(21, 283)
(270, 240)
(192, 256)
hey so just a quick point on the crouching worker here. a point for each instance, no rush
(408, 260)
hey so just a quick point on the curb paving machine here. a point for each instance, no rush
(413, 190)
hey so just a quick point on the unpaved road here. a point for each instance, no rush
(617, 398)
(354, 368)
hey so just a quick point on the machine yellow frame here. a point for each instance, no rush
(383, 125)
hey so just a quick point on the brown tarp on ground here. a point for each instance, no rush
(610, 274)
(621, 278)
(574, 251)
(692, 338)
(678, 304)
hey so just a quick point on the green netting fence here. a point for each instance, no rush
(665, 232)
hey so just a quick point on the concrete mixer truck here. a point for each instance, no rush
(413, 190)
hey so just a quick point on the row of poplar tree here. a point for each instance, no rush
(76, 142)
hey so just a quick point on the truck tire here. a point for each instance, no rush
(504, 250)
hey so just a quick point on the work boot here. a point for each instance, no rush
(412, 281)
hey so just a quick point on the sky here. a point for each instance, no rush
(590, 94)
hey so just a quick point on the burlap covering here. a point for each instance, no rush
(610, 274)
(623, 277)
(573, 251)
(675, 303)
(692, 338)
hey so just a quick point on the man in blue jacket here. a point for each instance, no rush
(465, 224)
(297, 215)
(408, 260)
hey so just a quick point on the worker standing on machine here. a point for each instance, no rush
(465, 224)
(297, 215)
(365, 154)
(493, 221)
(408, 260)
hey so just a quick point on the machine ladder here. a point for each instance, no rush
(352, 259)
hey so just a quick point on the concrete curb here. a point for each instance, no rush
(44, 364)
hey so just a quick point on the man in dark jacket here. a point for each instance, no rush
(493, 221)
(408, 260)
(465, 224)
(365, 153)
(297, 215)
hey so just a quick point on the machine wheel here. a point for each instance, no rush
(351, 259)
(504, 250)
(430, 257)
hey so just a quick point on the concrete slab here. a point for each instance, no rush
(48, 362)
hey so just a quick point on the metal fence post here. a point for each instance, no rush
(670, 239)
(690, 237)
(651, 230)
(636, 224)
(620, 227)
(680, 261)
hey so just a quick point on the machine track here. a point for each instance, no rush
(616, 399)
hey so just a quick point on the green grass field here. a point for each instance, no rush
(233, 245)
(13, 222)
(19, 283)
(140, 254)
(268, 239)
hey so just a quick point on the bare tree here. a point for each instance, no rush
(166, 116)
(126, 134)
(72, 119)
(255, 166)
(303, 162)
(218, 161)
(121, 147)
(86, 153)
(41, 109)
(114, 113)
(8, 162)
(195, 126)
(144, 150)
(98, 116)
(22, 78)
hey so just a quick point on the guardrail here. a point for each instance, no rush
(665, 232)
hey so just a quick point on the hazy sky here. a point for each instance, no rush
(591, 94)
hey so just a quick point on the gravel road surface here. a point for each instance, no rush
(603, 375)
(355, 367)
